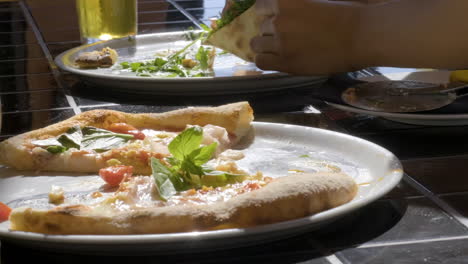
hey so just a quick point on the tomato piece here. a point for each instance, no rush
(136, 133)
(125, 128)
(4, 212)
(114, 175)
(251, 186)
(120, 127)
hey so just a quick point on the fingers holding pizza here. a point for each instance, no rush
(307, 37)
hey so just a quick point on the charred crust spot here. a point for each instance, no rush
(52, 228)
(71, 210)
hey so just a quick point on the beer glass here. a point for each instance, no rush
(106, 19)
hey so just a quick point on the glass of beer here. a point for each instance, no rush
(106, 19)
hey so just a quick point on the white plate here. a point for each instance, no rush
(275, 150)
(232, 75)
(429, 76)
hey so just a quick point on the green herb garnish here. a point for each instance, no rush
(186, 167)
(87, 138)
(179, 64)
(236, 9)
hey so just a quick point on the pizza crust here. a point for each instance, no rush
(15, 152)
(235, 37)
(283, 199)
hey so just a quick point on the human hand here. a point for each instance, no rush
(307, 37)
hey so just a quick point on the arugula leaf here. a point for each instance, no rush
(205, 27)
(203, 57)
(162, 177)
(186, 142)
(236, 9)
(173, 66)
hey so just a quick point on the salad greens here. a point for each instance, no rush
(186, 167)
(184, 63)
(86, 138)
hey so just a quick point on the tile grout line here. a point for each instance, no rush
(38, 110)
(98, 105)
(185, 13)
(411, 242)
(445, 206)
(333, 259)
(55, 72)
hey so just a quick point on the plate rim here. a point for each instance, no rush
(438, 117)
(323, 217)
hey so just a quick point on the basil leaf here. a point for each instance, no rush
(186, 142)
(203, 154)
(56, 149)
(101, 143)
(162, 178)
(190, 167)
(46, 142)
(72, 139)
(220, 178)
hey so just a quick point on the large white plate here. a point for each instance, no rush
(275, 150)
(429, 76)
(232, 75)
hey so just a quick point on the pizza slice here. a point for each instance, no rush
(237, 26)
(195, 186)
(99, 58)
(96, 139)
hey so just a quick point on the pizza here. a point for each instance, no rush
(188, 180)
(99, 58)
(232, 32)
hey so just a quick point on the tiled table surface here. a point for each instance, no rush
(423, 220)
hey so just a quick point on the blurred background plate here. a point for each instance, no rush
(231, 74)
(455, 114)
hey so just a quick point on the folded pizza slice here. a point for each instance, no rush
(238, 24)
(96, 139)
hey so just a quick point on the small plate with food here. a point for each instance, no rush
(199, 178)
(211, 61)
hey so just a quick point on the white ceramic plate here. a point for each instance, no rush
(277, 150)
(429, 76)
(231, 74)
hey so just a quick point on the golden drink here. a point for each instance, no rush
(106, 19)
